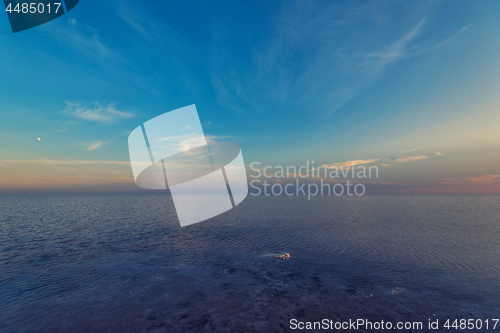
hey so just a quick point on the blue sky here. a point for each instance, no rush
(330, 81)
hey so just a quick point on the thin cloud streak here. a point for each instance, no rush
(335, 68)
(349, 163)
(96, 112)
(86, 40)
(475, 180)
(63, 162)
(488, 179)
(410, 159)
(95, 145)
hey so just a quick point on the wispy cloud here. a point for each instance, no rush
(179, 137)
(332, 60)
(487, 179)
(410, 159)
(72, 175)
(191, 142)
(137, 19)
(96, 112)
(177, 143)
(347, 164)
(475, 180)
(95, 145)
(63, 162)
(409, 151)
(397, 49)
(213, 138)
(320, 59)
(384, 162)
(366, 67)
(84, 39)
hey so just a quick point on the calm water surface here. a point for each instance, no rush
(121, 263)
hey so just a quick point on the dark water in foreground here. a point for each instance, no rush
(121, 263)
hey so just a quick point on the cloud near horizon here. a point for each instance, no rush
(382, 161)
(476, 180)
(346, 164)
(488, 179)
(68, 175)
(61, 162)
(411, 159)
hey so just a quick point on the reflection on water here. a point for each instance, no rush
(80, 263)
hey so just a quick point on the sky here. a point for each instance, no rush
(409, 86)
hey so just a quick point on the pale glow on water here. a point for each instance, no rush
(79, 263)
